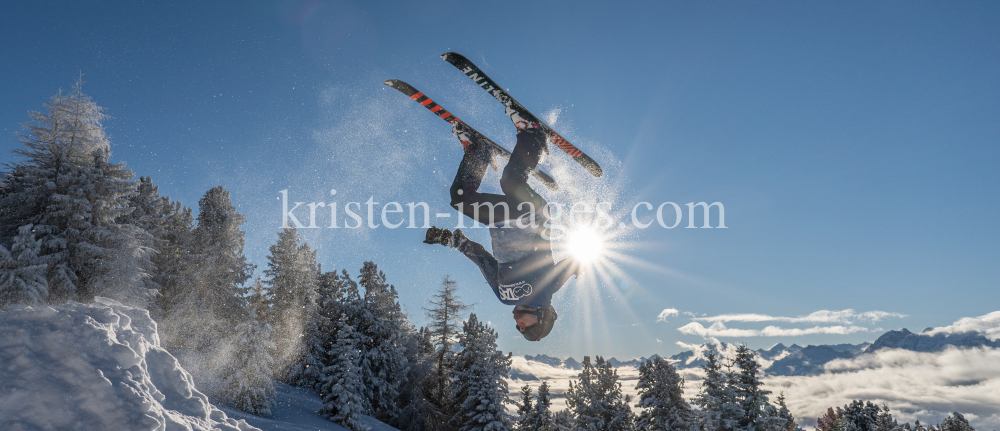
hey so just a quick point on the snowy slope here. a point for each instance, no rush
(95, 366)
(296, 411)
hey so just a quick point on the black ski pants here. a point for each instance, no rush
(518, 197)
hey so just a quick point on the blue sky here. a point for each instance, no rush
(854, 145)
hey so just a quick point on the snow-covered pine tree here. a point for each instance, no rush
(661, 398)
(247, 380)
(955, 422)
(479, 377)
(525, 411)
(417, 412)
(543, 416)
(171, 226)
(713, 395)
(750, 392)
(118, 264)
(209, 298)
(22, 273)
(444, 317)
(787, 419)
(329, 288)
(596, 399)
(345, 397)
(293, 286)
(563, 420)
(65, 136)
(304, 371)
(223, 268)
(75, 198)
(384, 327)
(864, 416)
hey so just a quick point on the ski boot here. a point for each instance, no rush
(461, 133)
(525, 122)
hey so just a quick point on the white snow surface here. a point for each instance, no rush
(295, 410)
(95, 366)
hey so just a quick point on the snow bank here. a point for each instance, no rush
(95, 367)
(295, 410)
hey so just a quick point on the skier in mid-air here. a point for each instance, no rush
(521, 271)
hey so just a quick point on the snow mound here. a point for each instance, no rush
(95, 366)
(295, 410)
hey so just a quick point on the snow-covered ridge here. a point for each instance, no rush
(95, 366)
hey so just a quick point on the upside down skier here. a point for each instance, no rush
(521, 271)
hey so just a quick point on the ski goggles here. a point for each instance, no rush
(546, 319)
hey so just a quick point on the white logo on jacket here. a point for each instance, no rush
(513, 292)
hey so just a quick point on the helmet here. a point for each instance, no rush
(546, 318)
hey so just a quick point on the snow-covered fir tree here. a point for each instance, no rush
(222, 266)
(860, 415)
(293, 283)
(758, 413)
(306, 360)
(785, 414)
(544, 420)
(596, 398)
(479, 377)
(22, 273)
(563, 420)
(383, 326)
(525, 410)
(345, 397)
(955, 422)
(661, 398)
(210, 297)
(417, 412)
(247, 380)
(720, 410)
(444, 318)
(171, 226)
(75, 197)
(329, 288)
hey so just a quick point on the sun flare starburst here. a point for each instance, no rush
(585, 244)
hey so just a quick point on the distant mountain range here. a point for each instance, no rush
(795, 360)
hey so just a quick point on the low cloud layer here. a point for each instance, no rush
(915, 385)
(988, 324)
(718, 329)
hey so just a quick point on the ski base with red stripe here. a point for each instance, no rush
(476, 74)
(443, 114)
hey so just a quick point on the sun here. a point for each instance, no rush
(585, 244)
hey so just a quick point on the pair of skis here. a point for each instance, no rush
(473, 72)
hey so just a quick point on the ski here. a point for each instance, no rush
(443, 114)
(476, 74)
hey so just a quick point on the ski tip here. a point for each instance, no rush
(453, 57)
(401, 86)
